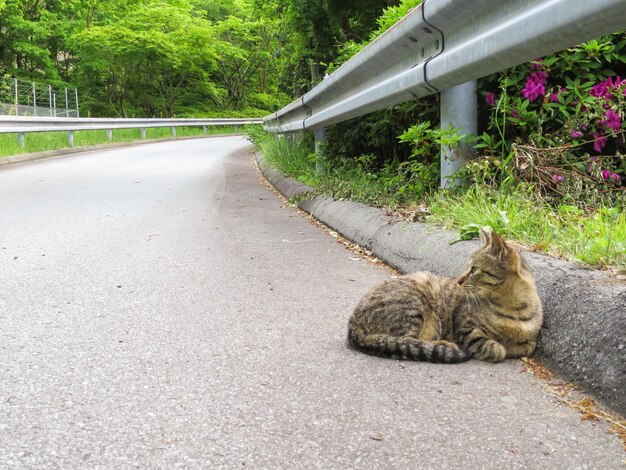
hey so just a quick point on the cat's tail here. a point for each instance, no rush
(405, 347)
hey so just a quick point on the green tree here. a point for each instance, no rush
(312, 33)
(147, 57)
(24, 50)
(141, 64)
(219, 10)
(242, 51)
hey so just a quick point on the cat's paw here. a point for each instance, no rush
(447, 344)
(491, 351)
(521, 349)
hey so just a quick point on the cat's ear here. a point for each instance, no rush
(484, 236)
(498, 246)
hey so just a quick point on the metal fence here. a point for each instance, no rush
(23, 98)
(443, 46)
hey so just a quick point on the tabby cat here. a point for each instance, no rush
(491, 312)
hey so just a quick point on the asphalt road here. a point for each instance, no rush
(160, 308)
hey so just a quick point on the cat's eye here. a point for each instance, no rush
(492, 279)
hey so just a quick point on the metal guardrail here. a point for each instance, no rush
(16, 124)
(21, 125)
(444, 43)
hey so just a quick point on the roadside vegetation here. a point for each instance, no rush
(551, 165)
(594, 236)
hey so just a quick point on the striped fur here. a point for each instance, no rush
(492, 311)
(405, 347)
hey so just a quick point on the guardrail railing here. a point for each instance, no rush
(22, 125)
(441, 45)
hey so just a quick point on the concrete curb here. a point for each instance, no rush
(584, 333)
(29, 157)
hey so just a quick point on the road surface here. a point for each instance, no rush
(161, 308)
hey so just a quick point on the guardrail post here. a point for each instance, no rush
(109, 134)
(76, 95)
(320, 140)
(143, 133)
(459, 108)
(21, 139)
(17, 97)
(70, 138)
(35, 99)
(204, 130)
(173, 131)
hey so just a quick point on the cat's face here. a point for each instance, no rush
(493, 266)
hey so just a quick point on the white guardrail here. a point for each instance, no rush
(444, 43)
(15, 124)
(21, 125)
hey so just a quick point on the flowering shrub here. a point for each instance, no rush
(559, 122)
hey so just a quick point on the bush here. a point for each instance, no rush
(558, 123)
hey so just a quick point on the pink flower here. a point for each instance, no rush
(535, 86)
(554, 97)
(602, 89)
(611, 120)
(540, 76)
(490, 98)
(607, 175)
(605, 88)
(593, 160)
(599, 142)
(576, 134)
(558, 178)
(619, 83)
(533, 90)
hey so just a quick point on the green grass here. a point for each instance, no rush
(42, 141)
(597, 238)
(348, 180)
(291, 155)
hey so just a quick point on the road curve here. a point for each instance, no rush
(159, 307)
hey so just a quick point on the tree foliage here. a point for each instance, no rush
(313, 32)
(181, 57)
(146, 57)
